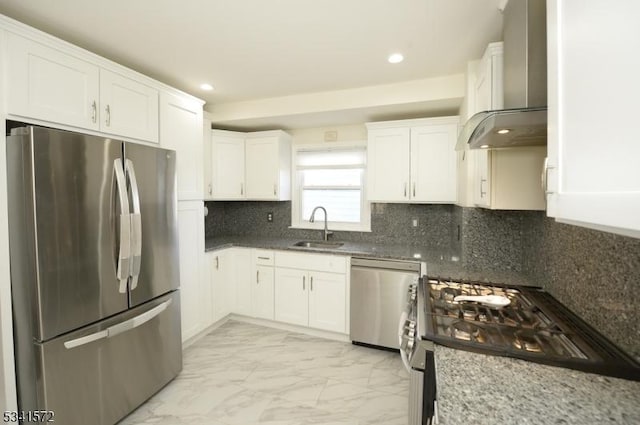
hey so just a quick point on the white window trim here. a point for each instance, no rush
(296, 223)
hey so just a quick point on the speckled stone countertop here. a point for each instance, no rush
(441, 262)
(488, 390)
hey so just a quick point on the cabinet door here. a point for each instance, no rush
(128, 107)
(262, 163)
(482, 191)
(228, 164)
(263, 293)
(49, 85)
(433, 163)
(291, 296)
(388, 164)
(181, 130)
(222, 296)
(327, 301)
(194, 289)
(207, 168)
(593, 169)
(242, 281)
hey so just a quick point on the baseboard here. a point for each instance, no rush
(290, 328)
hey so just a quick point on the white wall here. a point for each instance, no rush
(345, 133)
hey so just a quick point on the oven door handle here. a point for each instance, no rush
(405, 360)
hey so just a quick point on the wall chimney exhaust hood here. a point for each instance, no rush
(523, 122)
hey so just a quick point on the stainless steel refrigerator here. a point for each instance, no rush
(94, 273)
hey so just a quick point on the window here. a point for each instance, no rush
(334, 179)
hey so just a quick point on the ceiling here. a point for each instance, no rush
(257, 49)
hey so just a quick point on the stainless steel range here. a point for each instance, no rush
(532, 326)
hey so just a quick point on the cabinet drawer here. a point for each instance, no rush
(263, 257)
(319, 262)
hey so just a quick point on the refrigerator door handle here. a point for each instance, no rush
(136, 225)
(86, 339)
(138, 320)
(124, 251)
(119, 328)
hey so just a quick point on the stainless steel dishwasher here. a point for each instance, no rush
(378, 297)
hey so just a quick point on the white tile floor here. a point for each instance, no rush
(243, 374)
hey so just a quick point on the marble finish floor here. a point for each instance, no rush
(243, 374)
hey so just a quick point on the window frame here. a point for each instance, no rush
(298, 222)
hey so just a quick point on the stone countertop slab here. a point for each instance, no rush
(481, 389)
(441, 262)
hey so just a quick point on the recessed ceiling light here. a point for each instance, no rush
(484, 146)
(396, 58)
(504, 131)
(207, 87)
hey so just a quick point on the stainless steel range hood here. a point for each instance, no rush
(523, 122)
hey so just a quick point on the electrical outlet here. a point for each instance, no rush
(414, 222)
(270, 217)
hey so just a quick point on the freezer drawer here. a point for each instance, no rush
(99, 374)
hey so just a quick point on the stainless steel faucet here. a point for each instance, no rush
(327, 232)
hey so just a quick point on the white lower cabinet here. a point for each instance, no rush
(194, 290)
(262, 295)
(291, 296)
(223, 291)
(242, 278)
(314, 298)
(301, 289)
(327, 302)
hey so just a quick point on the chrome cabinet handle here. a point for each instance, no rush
(414, 189)
(311, 282)
(303, 282)
(258, 276)
(210, 189)
(241, 188)
(217, 263)
(482, 193)
(136, 224)
(124, 250)
(108, 119)
(94, 111)
(264, 258)
(405, 189)
(274, 189)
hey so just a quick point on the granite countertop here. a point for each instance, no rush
(481, 389)
(441, 261)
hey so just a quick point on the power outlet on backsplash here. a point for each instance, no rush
(414, 222)
(270, 217)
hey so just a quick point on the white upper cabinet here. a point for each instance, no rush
(51, 81)
(509, 179)
(268, 165)
(484, 92)
(433, 162)
(594, 155)
(488, 85)
(181, 130)
(388, 162)
(50, 85)
(128, 108)
(412, 161)
(251, 166)
(227, 166)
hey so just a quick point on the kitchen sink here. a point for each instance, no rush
(319, 244)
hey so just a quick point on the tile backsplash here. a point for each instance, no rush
(595, 274)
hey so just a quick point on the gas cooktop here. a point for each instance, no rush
(534, 326)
